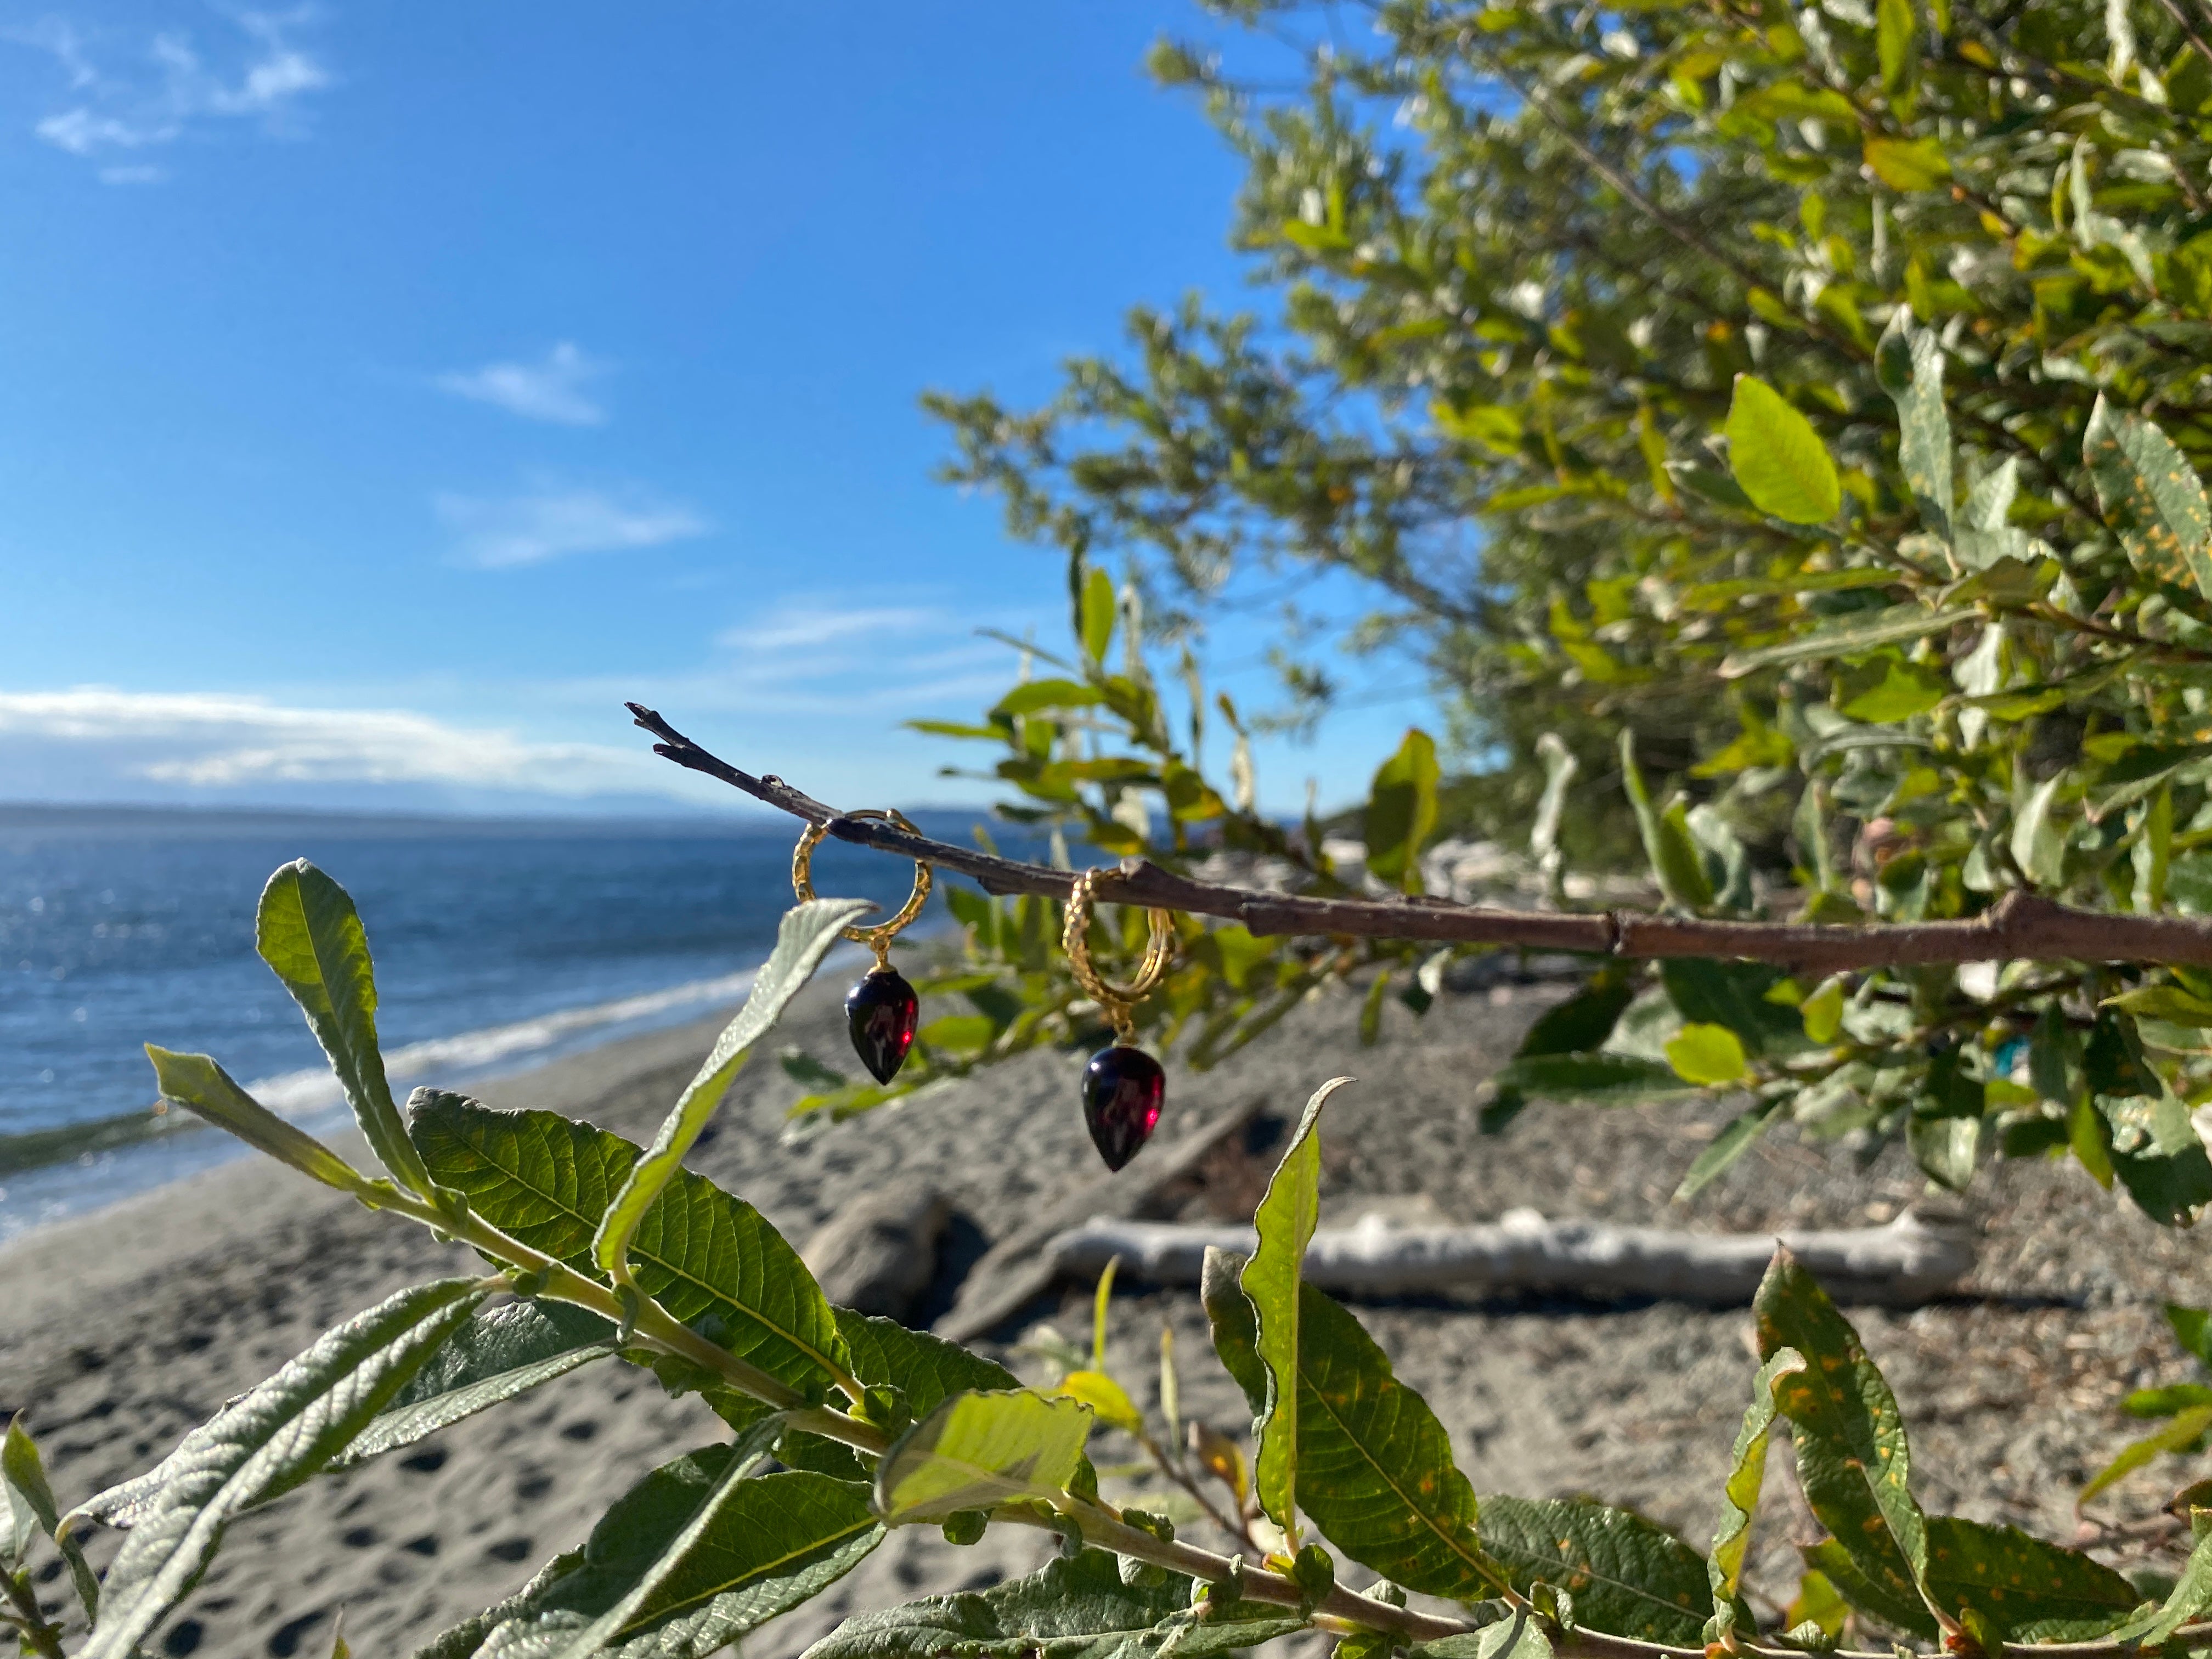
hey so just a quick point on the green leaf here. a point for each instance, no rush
(1879, 1597)
(1401, 811)
(927, 1369)
(205, 1090)
(1235, 1330)
(30, 1500)
(1100, 608)
(1108, 1400)
(1076, 1608)
(956, 729)
(309, 934)
(2038, 843)
(1885, 688)
(1628, 1576)
(1675, 861)
(1945, 1147)
(807, 1072)
(2167, 1002)
(1375, 1467)
(754, 1548)
(1585, 1019)
(1102, 1310)
(1734, 994)
(2005, 1581)
(1910, 363)
(1853, 1463)
(1286, 1220)
(1778, 458)
(466, 1639)
(709, 1258)
(2192, 1329)
(802, 939)
(959, 1034)
(2151, 497)
(1822, 1012)
(1738, 1137)
(2183, 1431)
(2168, 1401)
(2190, 1596)
(978, 1450)
(1706, 1055)
(1517, 1636)
(1895, 50)
(1907, 164)
(500, 1353)
(1600, 1079)
(1746, 1476)
(2157, 1155)
(31, 1509)
(2113, 1061)
(1857, 634)
(278, 1435)
(1036, 696)
(697, 1554)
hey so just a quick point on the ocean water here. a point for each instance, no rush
(496, 946)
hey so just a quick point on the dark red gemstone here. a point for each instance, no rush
(1123, 1088)
(880, 1012)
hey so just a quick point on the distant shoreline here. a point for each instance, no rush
(195, 821)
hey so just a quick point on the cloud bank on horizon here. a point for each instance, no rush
(774, 694)
(223, 741)
(444, 387)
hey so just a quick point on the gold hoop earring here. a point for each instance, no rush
(1123, 1087)
(881, 1010)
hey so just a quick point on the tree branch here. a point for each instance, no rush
(2019, 926)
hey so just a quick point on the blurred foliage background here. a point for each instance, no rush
(1773, 431)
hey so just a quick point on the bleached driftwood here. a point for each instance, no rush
(1908, 1261)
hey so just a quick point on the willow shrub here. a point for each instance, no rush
(1828, 387)
(840, 1426)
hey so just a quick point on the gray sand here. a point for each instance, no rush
(121, 1330)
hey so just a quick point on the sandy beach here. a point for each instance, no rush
(120, 1330)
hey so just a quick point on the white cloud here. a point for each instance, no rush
(805, 624)
(550, 390)
(80, 133)
(550, 522)
(166, 87)
(212, 740)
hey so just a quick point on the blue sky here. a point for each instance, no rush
(386, 393)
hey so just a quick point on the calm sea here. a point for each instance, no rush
(496, 946)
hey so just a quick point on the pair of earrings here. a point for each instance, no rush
(1124, 1088)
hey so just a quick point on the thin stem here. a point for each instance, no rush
(1171, 1468)
(2019, 926)
(33, 1630)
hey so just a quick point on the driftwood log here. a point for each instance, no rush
(1909, 1260)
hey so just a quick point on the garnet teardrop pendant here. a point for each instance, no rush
(880, 1012)
(1123, 1088)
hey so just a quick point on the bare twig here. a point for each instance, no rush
(2022, 925)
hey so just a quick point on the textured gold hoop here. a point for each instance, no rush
(1116, 1001)
(880, 939)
